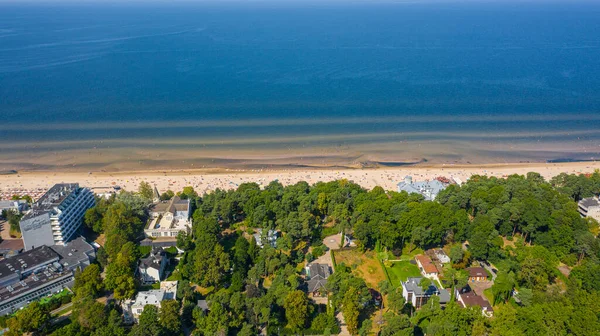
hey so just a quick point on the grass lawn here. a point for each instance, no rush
(489, 295)
(363, 264)
(401, 270)
(47, 299)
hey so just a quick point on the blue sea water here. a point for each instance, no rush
(301, 74)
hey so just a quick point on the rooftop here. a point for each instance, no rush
(426, 263)
(470, 298)
(27, 260)
(412, 284)
(429, 189)
(154, 259)
(317, 276)
(477, 272)
(33, 281)
(73, 252)
(589, 202)
(153, 297)
(52, 199)
(173, 205)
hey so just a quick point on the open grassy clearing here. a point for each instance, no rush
(401, 270)
(363, 264)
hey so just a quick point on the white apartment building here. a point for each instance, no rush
(56, 217)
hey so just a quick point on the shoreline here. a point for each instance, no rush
(205, 180)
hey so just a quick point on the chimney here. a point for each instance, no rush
(408, 179)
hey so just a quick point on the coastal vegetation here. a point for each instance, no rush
(546, 255)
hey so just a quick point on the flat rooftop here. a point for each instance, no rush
(51, 199)
(32, 282)
(27, 260)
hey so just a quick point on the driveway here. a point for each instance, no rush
(5, 230)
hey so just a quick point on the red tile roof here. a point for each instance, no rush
(426, 263)
(477, 272)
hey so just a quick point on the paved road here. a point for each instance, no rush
(489, 268)
(61, 308)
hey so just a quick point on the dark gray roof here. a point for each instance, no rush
(154, 259)
(317, 275)
(159, 242)
(413, 285)
(27, 261)
(318, 271)
(53, 198)
(588, 202)
(74, 252)
(173, 205)
(203, 304)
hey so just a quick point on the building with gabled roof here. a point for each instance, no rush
(589, 207)
(316, 275)
(132, 309)
(414, 294)
(426, 266)
(168, 218)
(428, 189)
(152, 268)
(468, 298)
(477, 274)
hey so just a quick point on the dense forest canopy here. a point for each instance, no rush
(527, 227)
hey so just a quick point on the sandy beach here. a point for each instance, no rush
(36, 182)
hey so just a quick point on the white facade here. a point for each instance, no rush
(57, 216)
(168, 218)
(152, 268)
(590, 207)
(132, 309)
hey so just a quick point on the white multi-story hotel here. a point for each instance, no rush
(56, 217)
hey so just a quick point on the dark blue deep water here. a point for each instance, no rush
(327, 74)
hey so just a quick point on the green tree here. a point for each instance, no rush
(89, 277)
(169, 317)
(145, 190)
(148, 324)
(350, 309)
(296, 309)
(34, 318)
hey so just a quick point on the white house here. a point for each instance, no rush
(429, 189)
(589, 207)
(270, 238)
(427, 267)
(417, 296)
(168, 218)
(132, 309)
(152, 268)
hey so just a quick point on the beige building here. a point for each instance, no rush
(167, 218)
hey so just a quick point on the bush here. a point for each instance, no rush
(309, 257)
(318, 251)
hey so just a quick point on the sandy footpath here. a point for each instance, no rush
(207, 180)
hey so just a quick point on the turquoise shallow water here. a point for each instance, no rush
(510, 81)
